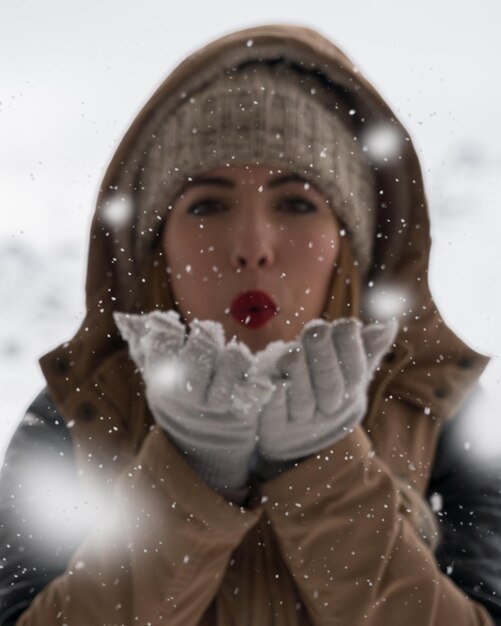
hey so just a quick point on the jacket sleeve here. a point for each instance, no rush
(158, 556)
(33, 552)
(466, 486)
(354, 555)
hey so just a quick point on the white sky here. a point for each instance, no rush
(74, 74)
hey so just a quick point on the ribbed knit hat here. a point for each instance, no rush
(263, 114)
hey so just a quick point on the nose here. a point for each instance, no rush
(252, 247)
(248, 261)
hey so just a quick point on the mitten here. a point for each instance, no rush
(205, 393)
(321, 388)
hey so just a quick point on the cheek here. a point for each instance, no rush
(193, 259)
(324, 248)
(314, 251)
(312, 256)
(186, 247)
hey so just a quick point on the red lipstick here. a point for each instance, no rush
(253, 308)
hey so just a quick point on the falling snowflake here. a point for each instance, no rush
(117, 211)
(382, 142)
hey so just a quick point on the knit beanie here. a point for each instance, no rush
(262, 113)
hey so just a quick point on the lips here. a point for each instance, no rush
(253, 308)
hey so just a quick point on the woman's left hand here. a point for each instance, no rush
(321, 386)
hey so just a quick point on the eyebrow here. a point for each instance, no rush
(290, 178)
(229, 184)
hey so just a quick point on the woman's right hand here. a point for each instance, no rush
(204, 392)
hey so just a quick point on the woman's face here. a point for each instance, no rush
(253, 248)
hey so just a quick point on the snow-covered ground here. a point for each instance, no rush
(74, 75)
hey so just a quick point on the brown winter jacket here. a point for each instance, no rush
(331, 541)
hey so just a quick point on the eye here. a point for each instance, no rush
(206, 206)
(297, 205)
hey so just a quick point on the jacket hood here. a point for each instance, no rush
(440, 369)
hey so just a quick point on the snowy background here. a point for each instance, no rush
(74, 74)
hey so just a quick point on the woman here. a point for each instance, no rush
(272, 466)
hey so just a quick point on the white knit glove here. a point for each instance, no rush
(321, 388)
(206, 394)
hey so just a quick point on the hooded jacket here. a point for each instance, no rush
(332, 540)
